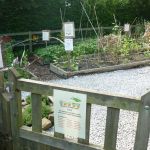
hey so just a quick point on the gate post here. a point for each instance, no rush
(143, 126)
(15, 107)
(1, 90)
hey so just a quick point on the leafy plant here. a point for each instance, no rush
(8, 55)
(27, 117)
(24, 59)
(147, 54)
(28, 99)
(128, 45)
(116, 27)
(88, 46)
(51, 53)
(46, 110)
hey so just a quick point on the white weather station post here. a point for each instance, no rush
(69, 34)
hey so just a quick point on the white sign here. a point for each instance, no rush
(69, 29)
(45, 35)
(70, 113)
(1, 59)
(127, 27)
(68, 44)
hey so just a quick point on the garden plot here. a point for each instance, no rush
(107, 53)
(133, 82)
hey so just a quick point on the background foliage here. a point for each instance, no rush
(29, 15)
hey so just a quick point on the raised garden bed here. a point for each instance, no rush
(94, 64)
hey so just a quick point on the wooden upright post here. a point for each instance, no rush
(15, 108)
(1, 90)
(88, 120)
(36, 113)
(143, 126)
(111, 128)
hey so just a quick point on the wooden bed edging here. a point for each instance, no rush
(66, 74)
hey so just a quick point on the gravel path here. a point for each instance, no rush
(133, 82)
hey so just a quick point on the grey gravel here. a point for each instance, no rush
(133, 82)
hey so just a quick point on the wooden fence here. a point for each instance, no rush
(25, 138)
(27, 38)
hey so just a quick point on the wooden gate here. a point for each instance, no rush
(25, 138)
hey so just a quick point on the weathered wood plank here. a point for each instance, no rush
(28, 145)
(44, 138)
(88, 120)
(65, 74)
(94, 97)
(33, 86)
(113, 68)
(59, 135)
(58, 71)
(1, 90)
(15, 98)
(1, 113)
(5, 123)
(36, 112)
(111, 128)
(143, 126)
(6, 114)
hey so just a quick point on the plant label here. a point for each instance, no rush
(69, 29)
(1, 59)
(68, 44)
(127, 27)
(45, 35)
(70, 113)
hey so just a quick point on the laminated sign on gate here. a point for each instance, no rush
(70, 113)
(1, 59)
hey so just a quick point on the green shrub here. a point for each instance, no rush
(8, 55)
(128, 45)
(27, 118)
(46, 110)
(28, 99)
(51, 53)
(88, 46)
(55, 52)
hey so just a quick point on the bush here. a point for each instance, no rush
(55, 52)
(51, 53)
(46, 110)
(8, 55)
(128, 46)
(27, 118)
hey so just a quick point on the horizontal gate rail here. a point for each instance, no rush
(105, 99)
